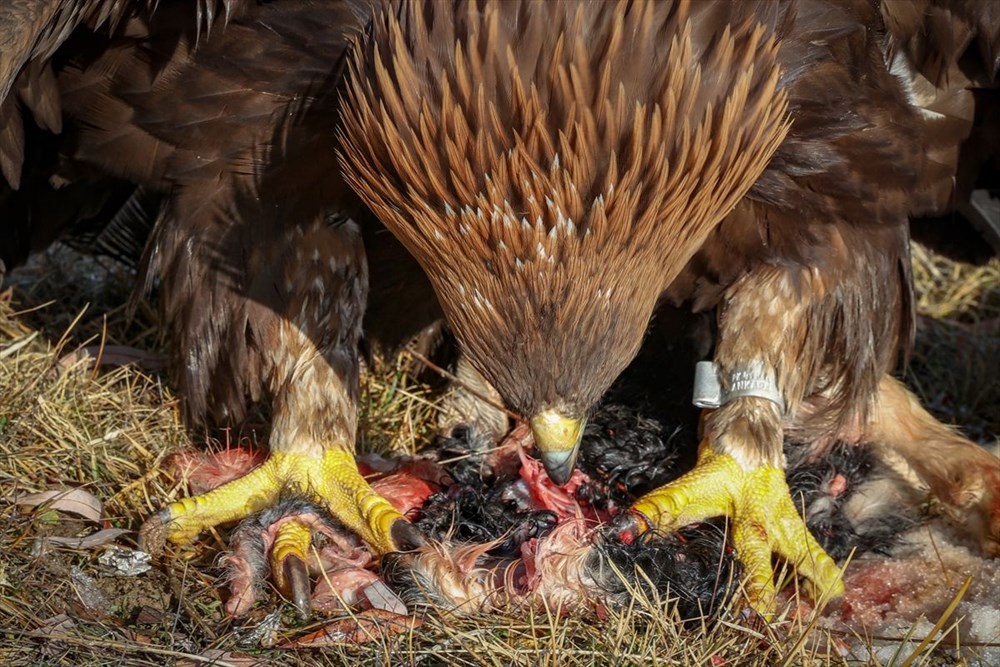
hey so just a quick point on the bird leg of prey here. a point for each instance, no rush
(741, 467)
(310, 365)
(963, 477)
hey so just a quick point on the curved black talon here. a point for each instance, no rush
(406, 536)
(626, 527)
(153, 533)
(298, 590)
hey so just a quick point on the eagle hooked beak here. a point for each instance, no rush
(557, 438)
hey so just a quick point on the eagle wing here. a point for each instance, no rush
(553, 189)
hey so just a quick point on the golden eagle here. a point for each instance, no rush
(557, 170)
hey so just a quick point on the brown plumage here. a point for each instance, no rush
(526, 161)
(555, 169)
(947, 55)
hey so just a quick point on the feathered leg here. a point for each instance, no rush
(787, 360)
(306, 338)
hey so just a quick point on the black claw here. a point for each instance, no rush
(153, 533)
(406, 536)
(626, 527)
(296, 579)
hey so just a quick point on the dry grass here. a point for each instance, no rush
(948, 290)
(956, 358)
(63, 424)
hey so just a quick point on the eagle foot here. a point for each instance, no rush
(331, 481)
(763, 519)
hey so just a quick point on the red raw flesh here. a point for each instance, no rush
(406, 492)
(205, 471)
(559, 499)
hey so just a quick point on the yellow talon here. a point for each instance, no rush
(763, 518)
(331, 479)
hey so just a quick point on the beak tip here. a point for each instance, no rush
(559, 477)
(559, 465)
(557, 440)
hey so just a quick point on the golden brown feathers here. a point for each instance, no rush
(946, 54)
(574, 154)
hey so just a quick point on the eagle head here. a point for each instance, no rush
(552, 166)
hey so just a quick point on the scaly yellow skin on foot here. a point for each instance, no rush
(763, 519)
(331, 479)
(289, 555)
(292, 539)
